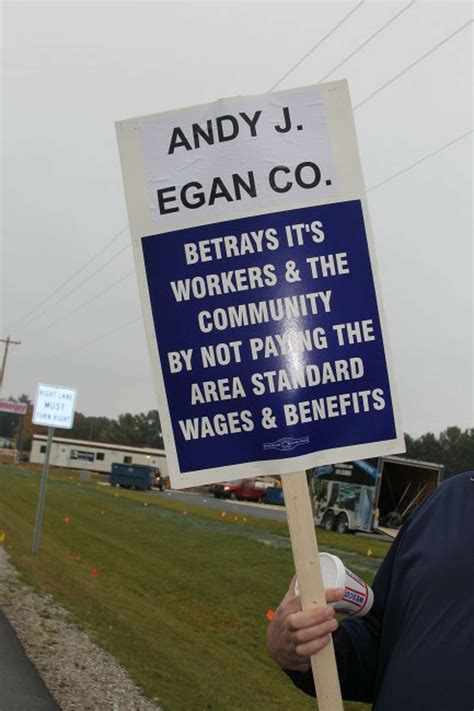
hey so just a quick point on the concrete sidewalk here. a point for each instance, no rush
(21, 687)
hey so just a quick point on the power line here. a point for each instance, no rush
(33, 312)
(101, 337)
(364, 44)
(85, 303)
(413, 64)
(66, 281)
(421, 160)
(84, 281)
(317, 45)
(374, 187)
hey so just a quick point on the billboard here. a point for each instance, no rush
(13, 407)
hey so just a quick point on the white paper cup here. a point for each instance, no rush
(358, 597)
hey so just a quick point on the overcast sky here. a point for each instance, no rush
(70, 70)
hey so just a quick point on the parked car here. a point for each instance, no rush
(242, 489)
(225, 489)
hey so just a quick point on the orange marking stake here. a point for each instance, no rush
(94, 573)
(66, 519)
(270, 614)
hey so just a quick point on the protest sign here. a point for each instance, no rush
(255, 265)
(257, 276)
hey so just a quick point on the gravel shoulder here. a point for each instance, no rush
(80, 675)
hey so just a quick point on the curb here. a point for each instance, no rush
(21, 686)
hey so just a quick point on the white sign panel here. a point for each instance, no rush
(255, 263)
(54, 406)
(237, 158)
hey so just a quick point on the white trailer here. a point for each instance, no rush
(372, 494)
(95, 456)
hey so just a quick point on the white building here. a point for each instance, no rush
(96, 456)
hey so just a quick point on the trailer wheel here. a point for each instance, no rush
(342, 523)
(329, 521)
(393, 520)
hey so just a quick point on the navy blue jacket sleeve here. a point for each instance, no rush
(415, 648)
(356, 643)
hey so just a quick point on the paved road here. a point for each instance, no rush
(238, 508)
(21, 687)
(241, 508)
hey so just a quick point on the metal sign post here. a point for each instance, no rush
(54, 407)
(42, 494)
(20, 439)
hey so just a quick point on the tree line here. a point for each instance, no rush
(142, 430)
(453, 447)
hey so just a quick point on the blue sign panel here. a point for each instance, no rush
(269, 336)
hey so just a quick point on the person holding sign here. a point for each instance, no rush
(415, 648)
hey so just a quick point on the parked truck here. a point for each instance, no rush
(135, 476)
(241, 489)
(375, 494)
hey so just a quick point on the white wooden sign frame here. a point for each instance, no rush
(142, 220)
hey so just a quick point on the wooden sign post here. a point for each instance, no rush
(308, 570)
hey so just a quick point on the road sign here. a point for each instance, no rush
(54, 406)
(13, 407)
(255, 264)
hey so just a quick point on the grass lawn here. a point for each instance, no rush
(177, 594)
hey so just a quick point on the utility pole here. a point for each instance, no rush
(8, 342)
